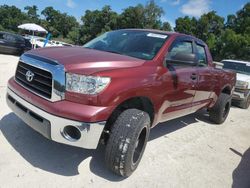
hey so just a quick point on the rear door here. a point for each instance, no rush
(179, 99)
(204, 85)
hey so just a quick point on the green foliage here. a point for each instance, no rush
(148, 16)
(186, 25)
(209, 23)
(152, 14)
(132, 17)
(11, 17)
(32, 13)
(97, 22)
(226, 39)
(59, 24)
(234, 45)
(242, 22)
(74, 36)
(166, 26)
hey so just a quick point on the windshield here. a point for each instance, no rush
(237, 67)
(140, 44)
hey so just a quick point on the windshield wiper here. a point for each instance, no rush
(87, 47)
(112, 51)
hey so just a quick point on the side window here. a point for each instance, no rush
(19, 40)
(202, 58)
(180, 47)
(9, 38)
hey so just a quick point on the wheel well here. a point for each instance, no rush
(140, 103)
(227, 90)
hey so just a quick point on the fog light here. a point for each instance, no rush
(71, 133)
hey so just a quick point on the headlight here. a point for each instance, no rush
(241, 84)
(86, 84)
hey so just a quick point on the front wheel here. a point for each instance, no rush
(219, 112)
(127, 141)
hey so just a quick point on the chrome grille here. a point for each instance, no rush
(41, 82)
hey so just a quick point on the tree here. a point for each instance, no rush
(50, 14)
(153, 13)
(234, 46)
(132, 17)
(11, 17)
(141, 16)
(65, 24)
(32, 13)
(97, 22)
(231, 21)
(225, 40)
(240, 22)
(208, 27)
(74, 35)
(166, 26)
(186, 25)
(59, 24)
(209, 23)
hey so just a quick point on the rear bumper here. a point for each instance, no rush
(52, 126)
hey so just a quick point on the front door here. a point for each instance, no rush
(180, 96)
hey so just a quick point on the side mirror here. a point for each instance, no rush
(182, 59)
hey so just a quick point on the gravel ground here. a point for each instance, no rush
(186, 152)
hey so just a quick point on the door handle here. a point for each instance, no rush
(193, 76)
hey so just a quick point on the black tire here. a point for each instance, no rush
(127, 142)
(246, 103)
(219, 112)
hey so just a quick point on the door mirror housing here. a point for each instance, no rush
(181, 58)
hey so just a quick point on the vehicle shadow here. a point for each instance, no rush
(40, 152)
(64, 160)
(173, 125)
(241, 175)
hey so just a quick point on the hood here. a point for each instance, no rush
(243, 77)
(86, 61)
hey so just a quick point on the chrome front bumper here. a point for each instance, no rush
(239, 96)
(51, 126)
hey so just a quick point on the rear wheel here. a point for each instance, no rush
(127, 141)
(219, 112)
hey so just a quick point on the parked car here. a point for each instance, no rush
(13, 44)
(241, 95)
(116, 88)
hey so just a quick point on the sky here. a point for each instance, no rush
(172, 8)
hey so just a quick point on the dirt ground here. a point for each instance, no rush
(186, 152)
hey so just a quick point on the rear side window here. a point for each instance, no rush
(202, 58)
(180, 47)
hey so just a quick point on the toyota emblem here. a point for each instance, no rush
(29, 76)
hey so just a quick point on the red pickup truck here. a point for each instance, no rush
(115, 88)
